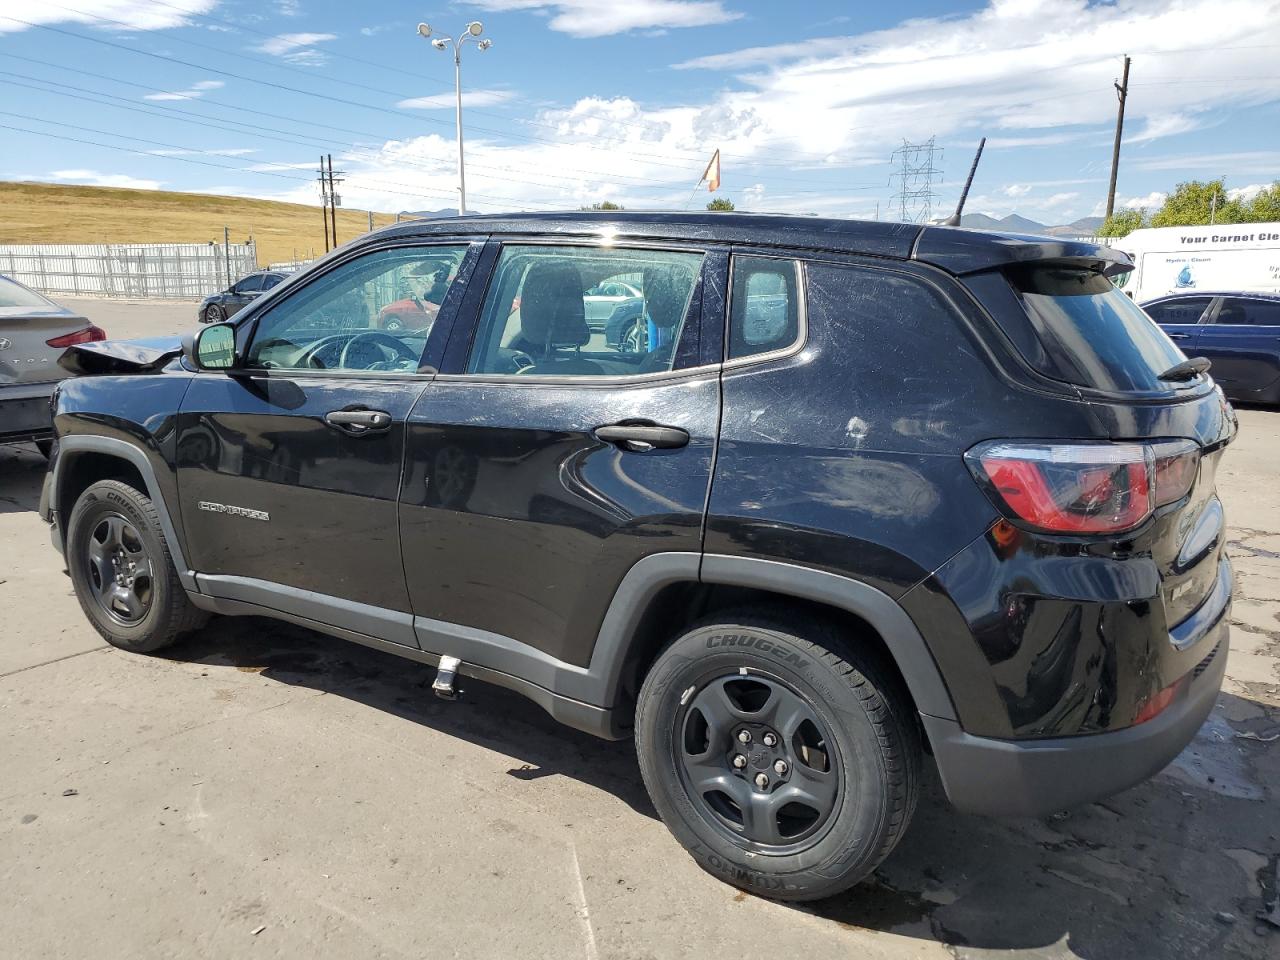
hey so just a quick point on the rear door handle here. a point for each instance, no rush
(639, 437)
(1179, 336)
(359, 423)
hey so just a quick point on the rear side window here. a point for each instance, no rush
(1096, 336)
(14, 294)
(764, 312)
(1253, 313)
(250, 284)
(1178, 311)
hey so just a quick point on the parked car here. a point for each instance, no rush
(1238, 332)
(877, 491)
(219, 306)
(33, 333)
(600, 300)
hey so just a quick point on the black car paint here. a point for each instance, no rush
(529, 540)
(235, 298)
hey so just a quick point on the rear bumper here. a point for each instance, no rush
(24, 411)
(1035, 777)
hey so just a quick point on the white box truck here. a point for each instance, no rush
(1233, 257)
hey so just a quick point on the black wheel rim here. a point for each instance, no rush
(758, 762)
(120, 571)
(214, 315)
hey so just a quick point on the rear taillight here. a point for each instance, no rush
(1157, 703)
(90, 334)
(1084, 487)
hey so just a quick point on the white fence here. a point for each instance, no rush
(164, 270)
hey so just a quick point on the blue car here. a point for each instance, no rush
(1239, 332)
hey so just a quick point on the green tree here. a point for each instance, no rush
(1194, 202)
(1265, 207)
(721, 203)
(604, 205)
(1123, 223)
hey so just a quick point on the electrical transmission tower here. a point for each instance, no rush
(916, 175)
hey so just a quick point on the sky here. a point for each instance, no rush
(582, 101)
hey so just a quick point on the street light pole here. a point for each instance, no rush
(473, 30)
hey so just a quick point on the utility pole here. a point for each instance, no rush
(1122, 93)
(1213, 207)
(226, 252)
(324, 204)
(334, 200)
(472, 32)
(371, 221)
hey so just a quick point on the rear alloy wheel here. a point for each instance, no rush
(783, 758)
(122, 571)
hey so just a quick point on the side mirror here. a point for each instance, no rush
(214, 347)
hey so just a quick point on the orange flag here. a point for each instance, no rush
(712, 173)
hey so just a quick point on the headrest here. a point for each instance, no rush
(551, 308)
(666, 293)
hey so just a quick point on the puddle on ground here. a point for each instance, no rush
(1215, 761)
(874, 906)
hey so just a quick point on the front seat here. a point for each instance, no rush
(666, 296)
(553, 320)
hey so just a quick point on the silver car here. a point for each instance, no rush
(33, 333)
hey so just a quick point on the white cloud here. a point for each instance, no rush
(298, 48)
(289, 8)
(1246, 193)
(1241, 162)
(1016, 190)
(96, 179)
(217, 152)
(599, 18)
(195, 91)
(1152, 201)
(130, 14)
(447, 101)
(1057, 200)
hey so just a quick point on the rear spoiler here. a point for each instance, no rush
(957, 252)
(120, 356)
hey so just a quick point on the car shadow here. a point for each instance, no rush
(22, 470)
(1141, 875)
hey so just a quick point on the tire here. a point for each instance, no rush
(832, 828)
(141, 612)
(213, 314)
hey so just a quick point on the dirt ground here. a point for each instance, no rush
(262, 790)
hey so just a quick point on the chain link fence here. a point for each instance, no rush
(173, 271)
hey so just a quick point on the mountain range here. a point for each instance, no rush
(1084, 227)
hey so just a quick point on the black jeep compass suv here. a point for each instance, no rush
(861, 492)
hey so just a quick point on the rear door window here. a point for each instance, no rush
(1253, 313)
(1186, 311)
(1095, 335)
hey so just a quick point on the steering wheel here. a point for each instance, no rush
(310, 357)
(375, 338)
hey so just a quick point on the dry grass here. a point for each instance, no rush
(54, 213)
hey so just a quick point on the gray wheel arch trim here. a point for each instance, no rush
(138, 458)
(899, 633)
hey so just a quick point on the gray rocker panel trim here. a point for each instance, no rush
(879, 609)
(517, 665)
(126, 451)
(581, 716)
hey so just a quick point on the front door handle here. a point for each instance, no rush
(639, 437)
(359, 422)
(1179, 336)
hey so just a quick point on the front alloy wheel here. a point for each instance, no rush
(119, 569)
(214, 314)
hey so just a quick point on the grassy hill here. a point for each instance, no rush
(59, 213)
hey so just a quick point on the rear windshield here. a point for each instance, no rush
(14, 294)
(1096, 335)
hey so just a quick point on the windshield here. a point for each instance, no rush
(14, 294)
(1097, 336)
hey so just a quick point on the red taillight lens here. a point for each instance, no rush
(1068, 488)
(90, 334)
